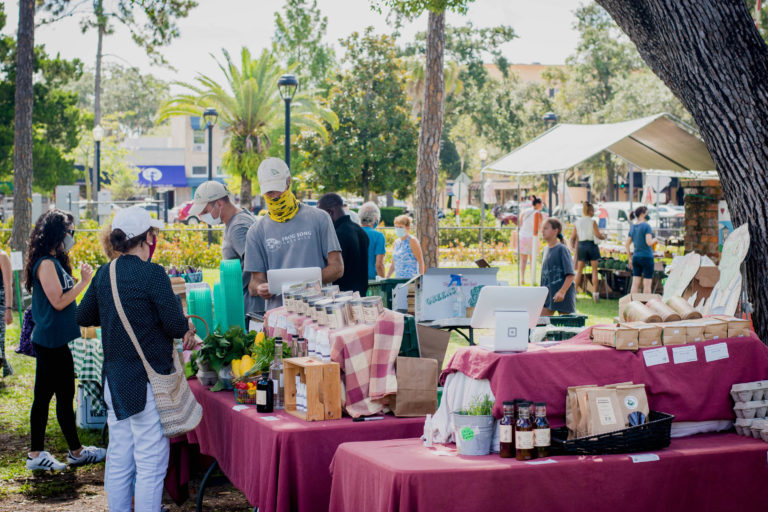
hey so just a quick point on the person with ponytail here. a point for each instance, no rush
(292, 235)
(641, 261)
(557, 271)
(48, 273)
(583, 238)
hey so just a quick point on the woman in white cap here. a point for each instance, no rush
(137, 447)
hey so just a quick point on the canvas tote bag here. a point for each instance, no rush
(179, 411)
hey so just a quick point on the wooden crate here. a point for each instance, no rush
(180, 288)
(323, 382)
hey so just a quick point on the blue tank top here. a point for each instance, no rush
(53, 328)
(406, 265)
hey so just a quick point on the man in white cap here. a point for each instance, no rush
(213, 206)
(292, 235)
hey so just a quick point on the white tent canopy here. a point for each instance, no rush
(654, 142)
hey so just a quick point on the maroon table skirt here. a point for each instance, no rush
(709, 472)
(277, 460)
(693, 391)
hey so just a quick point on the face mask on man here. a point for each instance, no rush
(68, 243)
(400, 232)
(210, 219)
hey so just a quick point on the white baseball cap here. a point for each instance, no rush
(134, 221)
(273, 173)
(205, 193)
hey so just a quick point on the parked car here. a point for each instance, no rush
(183, 215)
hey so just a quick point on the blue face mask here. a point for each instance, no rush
(400, 232)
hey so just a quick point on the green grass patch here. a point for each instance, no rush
(16, 394)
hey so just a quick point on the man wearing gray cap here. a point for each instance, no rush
(213, 206)
(293, 235)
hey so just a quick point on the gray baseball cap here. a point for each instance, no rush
(205, 193)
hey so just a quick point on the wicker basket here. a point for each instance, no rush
(650, 436)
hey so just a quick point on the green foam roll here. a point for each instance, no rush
(199, 304)
(220, 308)
(231, 279)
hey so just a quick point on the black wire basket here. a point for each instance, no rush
(650, 436)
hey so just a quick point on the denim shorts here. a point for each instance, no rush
(642, 266)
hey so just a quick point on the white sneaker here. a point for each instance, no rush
(46, 462)
(88, 455)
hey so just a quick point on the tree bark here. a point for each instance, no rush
(712, 57)
(246, 194)
(22, 151)
(610, 173)
(365, 187)
(429, 141)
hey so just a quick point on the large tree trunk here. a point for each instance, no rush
(429, 141)
(246, 194)
(22, 151)
(610, 173)
(712, 57)
(365, 188)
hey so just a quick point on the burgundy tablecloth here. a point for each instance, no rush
(710, 472)
(695, 391)
(282, 464)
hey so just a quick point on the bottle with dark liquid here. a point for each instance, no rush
(507, 432)
(265, 394)
(524, 448)
(541, 437)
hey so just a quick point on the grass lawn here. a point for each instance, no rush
(15, 403)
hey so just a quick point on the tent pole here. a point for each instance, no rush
(519, 212)
(631, 186)
(482, 210)
(562, 208)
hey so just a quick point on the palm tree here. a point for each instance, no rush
(251, 111)
(416, 70)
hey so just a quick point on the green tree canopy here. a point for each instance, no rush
(299, 33)
(250, 110)
(374, 147)
(128, 95)
(56, 119)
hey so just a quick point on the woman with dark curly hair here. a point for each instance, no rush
(49, 278)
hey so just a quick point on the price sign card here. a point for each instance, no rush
(685, 354)
(644, 457)
(716, 352)
(656, 356)
(17, 263)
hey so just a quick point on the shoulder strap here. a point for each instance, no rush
(124, 319)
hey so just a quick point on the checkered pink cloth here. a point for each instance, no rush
(367, 357)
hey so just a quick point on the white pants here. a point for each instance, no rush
(137, 450)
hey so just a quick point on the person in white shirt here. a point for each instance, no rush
(584, 235)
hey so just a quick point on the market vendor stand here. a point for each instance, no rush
(277, 460)
(703, 472)
(692, 391)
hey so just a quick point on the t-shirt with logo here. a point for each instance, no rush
(304, 241)
(233, 247)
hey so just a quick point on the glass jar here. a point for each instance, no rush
(507, 432)
(372, 307)
(356, 308)
(335, 314)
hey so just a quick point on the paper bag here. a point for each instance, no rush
(416, 387)
(433, 343)
(603, 411)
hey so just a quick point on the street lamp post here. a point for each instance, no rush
(210, 116)
(98, 135)
(550, 118)
(483, 154)
(287, 86)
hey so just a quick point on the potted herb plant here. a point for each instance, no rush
(473, 427)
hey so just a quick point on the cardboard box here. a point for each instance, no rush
(620, 338)
(714, 329)
(433, 295)
(704, 281)
(694, 332)
(649, 335)
(737, 327)
(673, 334)
(639, 297)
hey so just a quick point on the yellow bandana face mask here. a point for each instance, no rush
(283, 208)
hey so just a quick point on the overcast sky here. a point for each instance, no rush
(544, 29)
